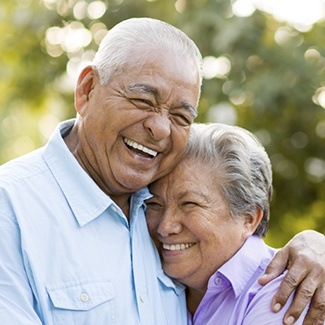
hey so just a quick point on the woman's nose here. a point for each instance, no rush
(169, 225)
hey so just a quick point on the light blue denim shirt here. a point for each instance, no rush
(68, 255)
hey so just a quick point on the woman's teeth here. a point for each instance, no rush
(177, 247)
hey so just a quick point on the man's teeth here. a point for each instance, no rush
(140, 147)
(177, 247)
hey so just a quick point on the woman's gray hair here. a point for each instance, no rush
(116, 46)
(240, 166)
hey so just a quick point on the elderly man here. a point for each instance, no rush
(74, 244)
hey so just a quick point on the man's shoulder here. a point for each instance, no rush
(23, 167)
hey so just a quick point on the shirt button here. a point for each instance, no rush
(114, 208)
(84, 297)
(217, 281)
(141, 299)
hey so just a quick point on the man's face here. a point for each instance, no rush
(133, 130)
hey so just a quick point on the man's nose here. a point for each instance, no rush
(158, 125)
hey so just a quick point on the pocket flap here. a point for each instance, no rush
(81, 295)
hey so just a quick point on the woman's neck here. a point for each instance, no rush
(193, 299)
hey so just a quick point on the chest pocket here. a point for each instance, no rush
(83, 302)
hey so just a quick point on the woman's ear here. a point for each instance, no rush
(252, 222)
(85, 85)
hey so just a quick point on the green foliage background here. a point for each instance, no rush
(271, 88)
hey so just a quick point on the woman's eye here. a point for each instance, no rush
(154, 206)
(190, 204)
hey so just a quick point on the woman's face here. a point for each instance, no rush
(189, 222)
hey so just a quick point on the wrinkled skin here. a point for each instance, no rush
(304, 257)
(150, 102)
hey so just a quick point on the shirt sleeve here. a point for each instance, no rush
(16, 297)
(259, 310)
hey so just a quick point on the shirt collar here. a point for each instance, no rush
(245, 263)
(85, 198)
(139, 197)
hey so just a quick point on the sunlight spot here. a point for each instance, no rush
(98, 30)
(299, 140)
(80, 10)
(216, 67)
(54, 35)
(75, 37)
(296, 12)
(237, 97)
(50, 4)
(96, 9)
(300, 14)
(62, 8)
(54, 50)
(222, 113)
(74, 66)
(72, 38)
(47, 125)
(312, 54)
(180, 6)
(316, 168)
(319, 97)
(253, 62)
(243, 8)
(286, 34)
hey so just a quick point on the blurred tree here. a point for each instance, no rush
(259, 73)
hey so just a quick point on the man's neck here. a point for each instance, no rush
(123, 201)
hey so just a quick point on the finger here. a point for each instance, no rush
(316, 312)
(290, 282)
(276, 267)
(302, 297)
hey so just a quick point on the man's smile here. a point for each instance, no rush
(140, 147)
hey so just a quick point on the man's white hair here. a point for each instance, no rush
(116, 46)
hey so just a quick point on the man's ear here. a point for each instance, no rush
(85, 85)
(252, 221)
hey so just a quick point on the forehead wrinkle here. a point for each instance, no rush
(193, 192)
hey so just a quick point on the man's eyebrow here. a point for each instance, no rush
(143, 88)
(190, 108)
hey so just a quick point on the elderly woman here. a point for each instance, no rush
(208, 217)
